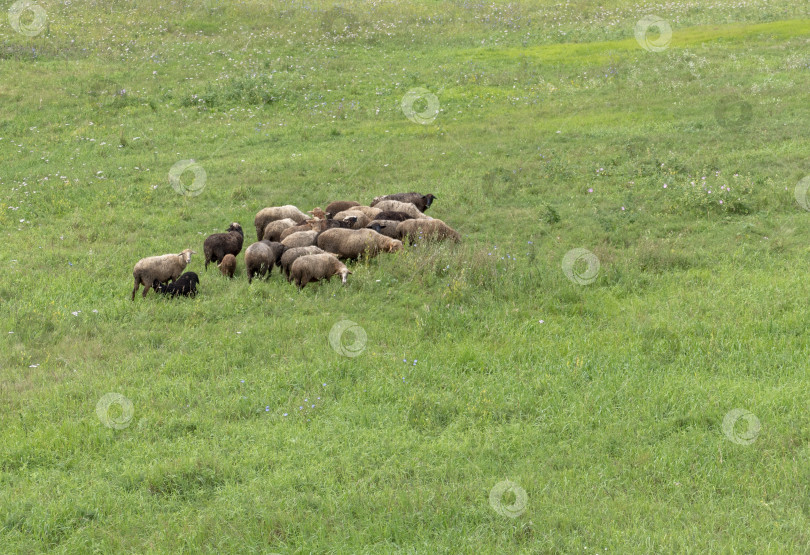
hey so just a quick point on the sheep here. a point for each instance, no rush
(389, 228)
(362, 220)
(315, 267)
(161, 268)
(260, 258)
(273, 230)
(367, 210)
(291, 255)
(185, 286)
(300, 239)
(422, 202)
(228, 265)
(216, 246)
(267, 215)
(397, 206)
(429, 230)
(318, 213)
(392, 215)
(340, 206)
(323, 225)
(350, 243)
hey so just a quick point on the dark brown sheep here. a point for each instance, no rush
(315, 267)
(216, 246)
(339, 206)
(228, 265)
(422, 202)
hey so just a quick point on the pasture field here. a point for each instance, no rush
(649, 398)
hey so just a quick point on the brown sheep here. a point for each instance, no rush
(216, 246)
(260, 258)
(340, 206)
(362, 219)
(291, 255)
(428, 230)
(351, 243)
(164, 268)
(300, 239)
(397, 206)
(392, 215)
(228, 265)
(267, 215)
(389, 228)
(422, 202)
(367, 210)
(318, 213)
(306, 226)
(272, 231)
(315, 267)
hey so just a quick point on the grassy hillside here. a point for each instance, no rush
(501, 399)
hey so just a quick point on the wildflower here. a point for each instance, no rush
(267, 408)
(590, 190)
(622, 207)
(285, 414)
(665, 185)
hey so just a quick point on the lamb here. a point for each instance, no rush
(397, 206)
(392, 215)
(291, 255)
(361, 221)
(315, 267)
(340, 206)
(422, 202)
(260, 258)
(185, 286)
(350, 243)
(161, 268)
(228, 265)
(267, 215)
(429, 230)
(216, 246)
(318, 213)
(273, 230)
(300, 239)
(389, 228)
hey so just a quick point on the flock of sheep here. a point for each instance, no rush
(306, 248)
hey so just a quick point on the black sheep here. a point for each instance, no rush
(216, 246)
(185, 285)
(391, 215)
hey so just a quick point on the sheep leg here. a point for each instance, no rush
(145, 290)
(137, 284)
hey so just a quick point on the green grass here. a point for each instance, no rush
(483, 362)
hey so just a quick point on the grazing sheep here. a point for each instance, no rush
(216, 246)
(322, 225)
(367, 210)
(362, 220)
(291, 255)
(267, 215)
(185, 286)
(228, 265)
(422, 202)
(161, 268)
(397, 206)
(392, 215)
(428, 230)
(315, 267)
(300, 239)
(389, 228)
(340, 206)
(260, 258)
(351, 243)
(273, 230)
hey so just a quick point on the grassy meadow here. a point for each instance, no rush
(494, 396)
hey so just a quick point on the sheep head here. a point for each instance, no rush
(235, 227)
(428, 200)
(343, 273)
(393, 246)
(186, 254)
